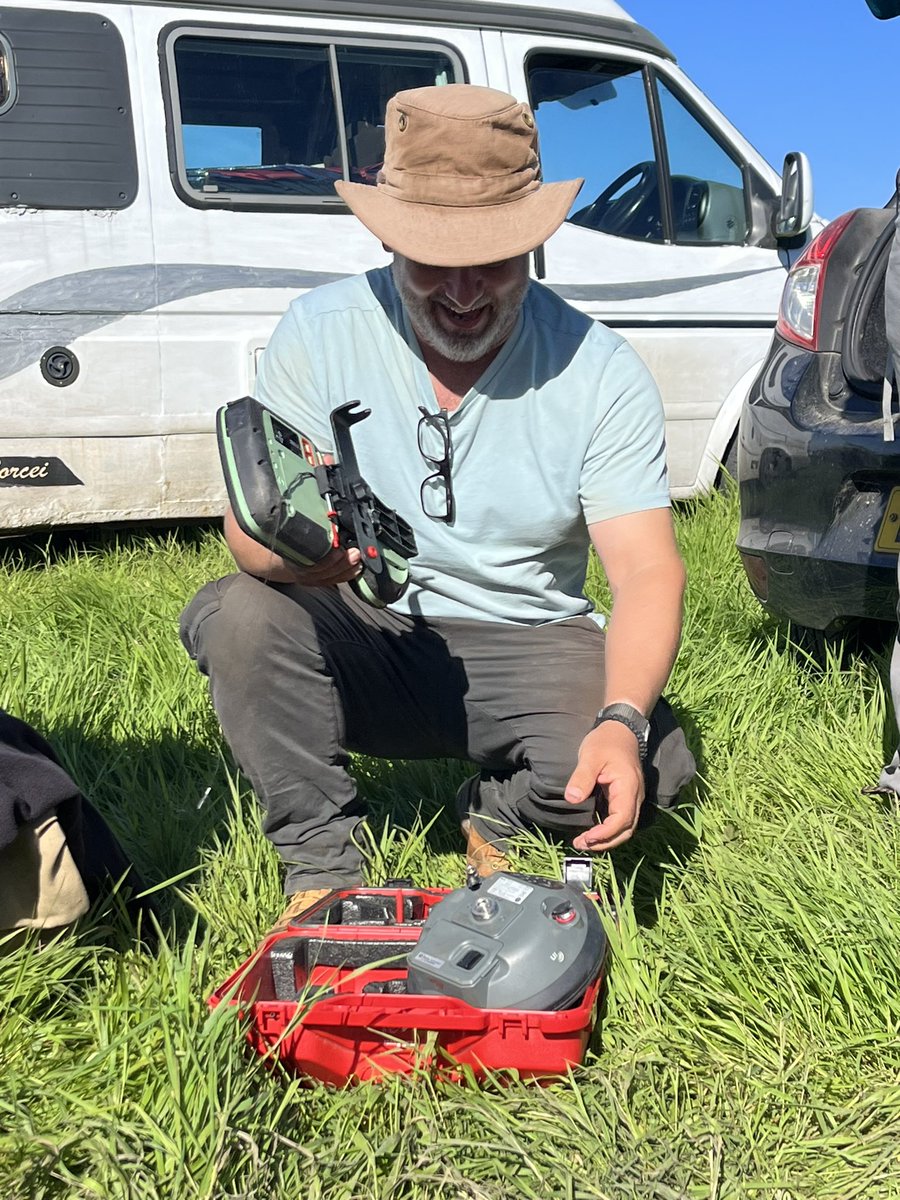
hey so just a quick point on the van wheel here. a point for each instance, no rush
(728, 471)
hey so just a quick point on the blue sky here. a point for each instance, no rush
(821, 77)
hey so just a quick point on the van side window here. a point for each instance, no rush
(7, 77)
(706, 184)
(593, 121)
(262, 121)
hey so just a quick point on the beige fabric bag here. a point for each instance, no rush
(40, 886)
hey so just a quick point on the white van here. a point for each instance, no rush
(167, 187)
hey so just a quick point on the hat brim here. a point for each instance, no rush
(456, 236)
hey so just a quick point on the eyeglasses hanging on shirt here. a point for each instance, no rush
(436, 492)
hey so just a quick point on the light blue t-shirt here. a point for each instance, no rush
(564, 428)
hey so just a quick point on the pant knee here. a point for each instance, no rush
(535, 797)
(550, 776)
(235, 622)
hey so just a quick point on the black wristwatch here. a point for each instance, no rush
(626, 714)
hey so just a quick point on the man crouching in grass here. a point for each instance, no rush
(513, 433)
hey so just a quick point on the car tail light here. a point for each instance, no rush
(798, 316)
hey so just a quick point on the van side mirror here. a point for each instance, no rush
(795, 208)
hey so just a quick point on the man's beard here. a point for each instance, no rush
(462, 347)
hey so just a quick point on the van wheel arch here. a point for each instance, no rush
(726, 476)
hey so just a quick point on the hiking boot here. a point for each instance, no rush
(297, 905)
(483, 855)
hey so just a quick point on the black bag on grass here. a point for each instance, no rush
(57, 854)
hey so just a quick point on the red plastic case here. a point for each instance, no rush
(349, 1035)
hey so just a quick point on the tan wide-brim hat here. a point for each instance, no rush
(460, 185)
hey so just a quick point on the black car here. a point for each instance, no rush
(819, 483)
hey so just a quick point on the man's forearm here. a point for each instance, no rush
(643, 634)
(253, 558)
(339, 565)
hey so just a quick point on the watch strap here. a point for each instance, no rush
(632, 718)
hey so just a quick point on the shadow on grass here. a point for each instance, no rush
(168, 798)
(812, 651)
(664, 839)
(813, 648)
(407, 792)
(40, 548)
(663, 842)
(163, 798)
(404, 793)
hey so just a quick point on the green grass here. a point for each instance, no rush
(750, 1041)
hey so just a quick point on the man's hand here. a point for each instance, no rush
(608, 757)
(338, 565)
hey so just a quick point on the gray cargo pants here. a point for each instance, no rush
(299, 677)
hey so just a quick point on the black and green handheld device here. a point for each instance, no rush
(286, 497)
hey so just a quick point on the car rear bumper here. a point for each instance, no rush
(815, 478)
(821, 594)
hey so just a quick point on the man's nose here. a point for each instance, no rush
(464, 285)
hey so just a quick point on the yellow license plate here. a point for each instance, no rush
(888, 540)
